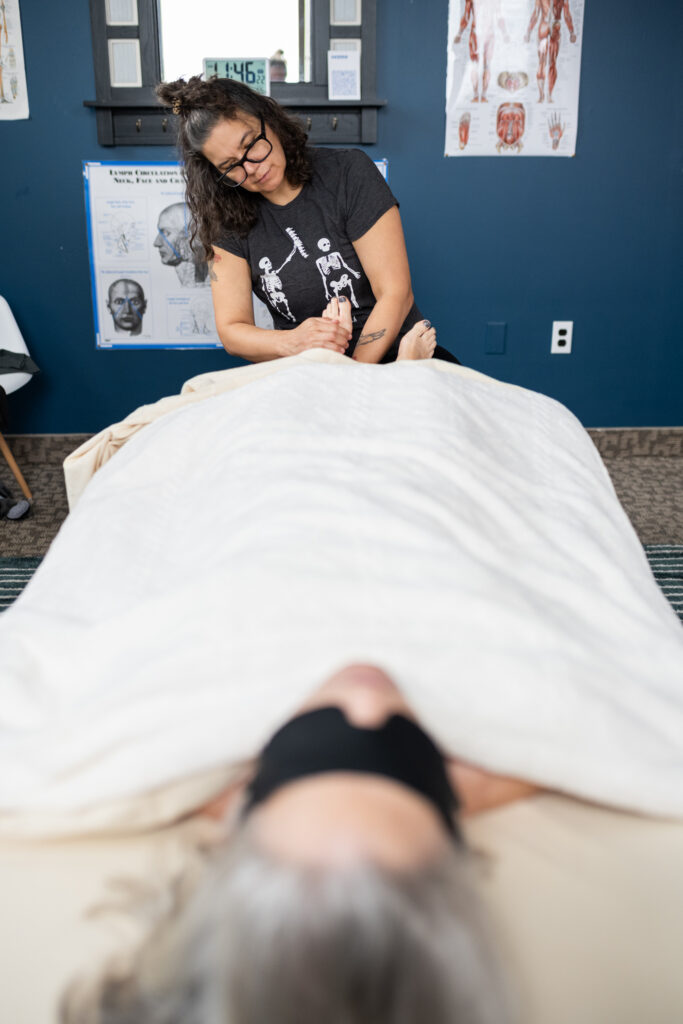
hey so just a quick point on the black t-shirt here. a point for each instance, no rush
(301, 255)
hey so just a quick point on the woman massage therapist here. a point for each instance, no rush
(314, 232)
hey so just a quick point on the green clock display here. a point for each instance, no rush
(253, 71)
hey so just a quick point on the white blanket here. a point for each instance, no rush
(461, 533)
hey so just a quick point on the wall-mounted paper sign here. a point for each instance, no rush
(252, 71)
(343, 75)
(13, 95)
(512, 83)
(342, 43)
(150, 285)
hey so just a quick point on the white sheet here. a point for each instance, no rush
(585, 903)
(461, 533)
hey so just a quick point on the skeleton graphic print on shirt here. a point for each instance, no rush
(271, 282)
(335, 272)
(272, 289)
(329, 267)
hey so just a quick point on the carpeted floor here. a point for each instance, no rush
(646, 467)
(40, 458)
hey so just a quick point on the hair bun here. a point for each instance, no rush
(180, 95)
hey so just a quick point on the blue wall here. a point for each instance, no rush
(596, 239)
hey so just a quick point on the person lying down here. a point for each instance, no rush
(342, 890)
(336, 606)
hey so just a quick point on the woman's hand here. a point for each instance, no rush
(316, 332)
(232, 298)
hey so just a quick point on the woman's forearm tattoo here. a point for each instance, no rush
(367, 339)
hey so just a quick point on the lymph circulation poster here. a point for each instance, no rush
(13, 95)
(512, 85)
(151, 287)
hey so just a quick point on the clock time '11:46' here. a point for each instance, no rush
(252, 71)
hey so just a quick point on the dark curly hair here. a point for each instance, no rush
(199, 105)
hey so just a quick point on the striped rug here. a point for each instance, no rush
(14, 575)
(666, 562)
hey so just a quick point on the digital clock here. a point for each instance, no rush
(253, 71)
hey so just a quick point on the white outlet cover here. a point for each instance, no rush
(561, 343)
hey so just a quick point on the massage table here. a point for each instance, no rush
(577, 658)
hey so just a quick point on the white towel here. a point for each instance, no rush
(460, 533)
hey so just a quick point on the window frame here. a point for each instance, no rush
(132, 116)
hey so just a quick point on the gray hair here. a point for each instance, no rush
(261, 941)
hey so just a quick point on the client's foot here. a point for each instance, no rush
(339, 310)
(418, 343)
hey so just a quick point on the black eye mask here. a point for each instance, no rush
(324, 741)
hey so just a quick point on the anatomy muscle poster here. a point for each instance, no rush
(13, 95)
(512, 85)
(151, 288)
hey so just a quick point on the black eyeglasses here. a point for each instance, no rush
(256, 152)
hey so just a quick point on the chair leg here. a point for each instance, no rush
(4, 448)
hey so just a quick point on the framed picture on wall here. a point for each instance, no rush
(150, 284)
